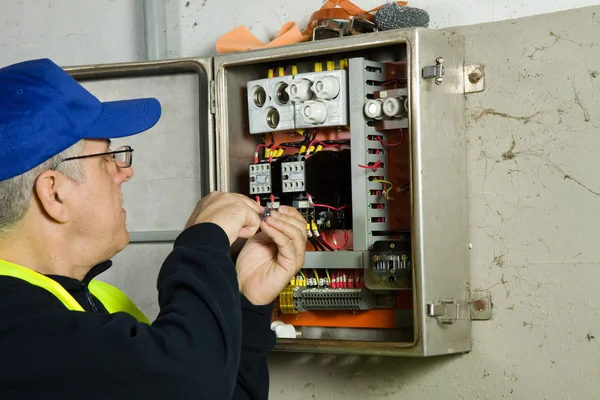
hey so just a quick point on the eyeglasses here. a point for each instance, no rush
(122, 156)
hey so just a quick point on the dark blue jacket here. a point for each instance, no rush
(208, 341)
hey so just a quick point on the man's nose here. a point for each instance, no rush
(126, 174)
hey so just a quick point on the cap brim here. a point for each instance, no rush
(125, 118)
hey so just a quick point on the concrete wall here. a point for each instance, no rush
(532, 200)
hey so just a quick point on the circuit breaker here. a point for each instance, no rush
(365, 136)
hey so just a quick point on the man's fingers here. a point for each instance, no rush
(255, 206)
(293, 232)
(292, 216)
(285, 244)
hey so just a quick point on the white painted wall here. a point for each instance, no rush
(71, 32)
(265, 17)
(537, 333)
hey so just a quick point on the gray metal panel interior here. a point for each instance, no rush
(361, 213)
(438, 180)
(175, 159)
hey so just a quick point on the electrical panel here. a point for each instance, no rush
(362, 140)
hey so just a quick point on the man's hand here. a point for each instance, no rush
(271, 258)
(238, 215)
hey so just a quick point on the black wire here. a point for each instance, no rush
(306, 138)
(304, 142)
(316, 244)
(320, 240)
(272, 139)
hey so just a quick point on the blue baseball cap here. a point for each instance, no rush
(44, 111)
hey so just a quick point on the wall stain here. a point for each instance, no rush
(590, 337)
(557, 38)
(586, 114)
(491, 111)
(510, 154)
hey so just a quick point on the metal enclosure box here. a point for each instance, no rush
(441, 322)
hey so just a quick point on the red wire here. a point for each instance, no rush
(330, 207)
(333, 281)
(345, 240)
(316, 141)
(335, 248)
(374, 167)
(256, 152)
(388, 82)
(386, 144)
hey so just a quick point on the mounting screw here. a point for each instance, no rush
(476, 75)
(392, 245)
(479, 305)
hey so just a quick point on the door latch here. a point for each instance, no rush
(446, 311)
(435, 71)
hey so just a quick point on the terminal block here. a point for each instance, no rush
(311, 299)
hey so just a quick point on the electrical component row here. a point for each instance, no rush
(335, 279)
(307, 100)
(338, 290)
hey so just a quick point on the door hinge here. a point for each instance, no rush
(435, 71)
(446, 311)
(212, 98)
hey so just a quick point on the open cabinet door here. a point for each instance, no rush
(173, 161)
(533, 142)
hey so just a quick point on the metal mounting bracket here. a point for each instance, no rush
(474, 78)
(481, 305)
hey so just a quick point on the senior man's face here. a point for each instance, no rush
(101, 199)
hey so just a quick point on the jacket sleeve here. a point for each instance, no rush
(207, 341)
(257, 341)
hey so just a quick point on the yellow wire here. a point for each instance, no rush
(387, 192)
(328, 276)
(316, 275)
(303, 279)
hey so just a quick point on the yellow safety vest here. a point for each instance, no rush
(112, 298)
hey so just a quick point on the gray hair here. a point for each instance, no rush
(16, 193)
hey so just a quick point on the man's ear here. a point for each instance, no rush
(51, 188)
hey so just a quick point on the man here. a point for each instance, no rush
(65, 335)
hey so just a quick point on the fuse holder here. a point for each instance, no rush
(374, 109)
(299, 90)
(327, 87)
(314, 112)
(393, 107)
